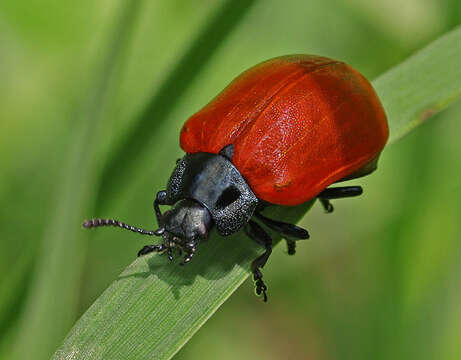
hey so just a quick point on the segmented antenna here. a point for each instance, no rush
(112, 222)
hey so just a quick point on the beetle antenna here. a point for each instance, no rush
(112, 222)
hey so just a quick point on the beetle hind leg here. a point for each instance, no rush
(337, 193)
(291, 246)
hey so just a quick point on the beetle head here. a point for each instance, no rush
(182, 227)
(186, 223)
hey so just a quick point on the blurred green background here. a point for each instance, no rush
(81, 80)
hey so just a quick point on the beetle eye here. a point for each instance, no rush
(228, 196)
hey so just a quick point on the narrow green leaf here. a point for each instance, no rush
(423, 85)
(153, 308)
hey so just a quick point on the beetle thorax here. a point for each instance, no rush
(214, 183)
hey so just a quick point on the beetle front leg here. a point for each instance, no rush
(160, 199)
(257, 233)
(151, 248)
(190, 252)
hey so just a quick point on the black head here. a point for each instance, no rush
(181, 227)
(187, 222)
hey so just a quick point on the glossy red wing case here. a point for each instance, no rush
(298, 124)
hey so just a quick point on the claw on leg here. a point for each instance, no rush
(260, 287)
(190, 251)
(258, 234)
(170, 253)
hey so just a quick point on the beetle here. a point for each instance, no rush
(280, 133)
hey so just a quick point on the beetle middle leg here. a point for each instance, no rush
(257, 233)
(337, 193)
(290, 232)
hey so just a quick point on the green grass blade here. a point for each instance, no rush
(154, 307)
(423, 85)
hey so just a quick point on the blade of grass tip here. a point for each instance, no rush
(154, 307)
(50, 308)
(188, 67)
(422, 85)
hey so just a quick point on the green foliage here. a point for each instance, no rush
(78, 81)
(151, 310)
(421, 86)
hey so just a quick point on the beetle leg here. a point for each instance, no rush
(290, 232)
(190, 252)
(151, 248)
(291, 246)
(337, 193)
(285, 229)
(160, 199)
(169, 252)
(326, 205)
(341, 192)
(257, 233)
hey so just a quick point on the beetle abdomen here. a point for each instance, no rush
(297, 123)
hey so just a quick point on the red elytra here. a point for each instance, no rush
(298, 124)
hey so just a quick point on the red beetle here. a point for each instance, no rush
(280, 133)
